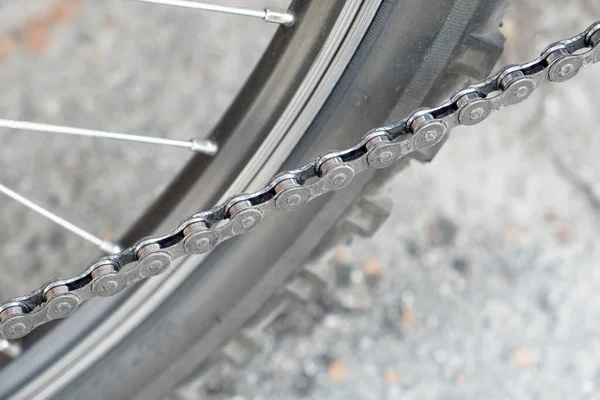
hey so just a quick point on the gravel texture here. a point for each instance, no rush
(481, 285)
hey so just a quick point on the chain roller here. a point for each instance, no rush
(332, 171)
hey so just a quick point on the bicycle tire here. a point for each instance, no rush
(422, 47)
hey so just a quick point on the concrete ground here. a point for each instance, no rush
(482, 285)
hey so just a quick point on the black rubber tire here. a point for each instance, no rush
(414, 52)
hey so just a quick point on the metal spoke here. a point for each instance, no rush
(284, 17)
(197, 145)
(104, 245)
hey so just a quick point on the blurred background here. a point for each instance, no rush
(481, 284)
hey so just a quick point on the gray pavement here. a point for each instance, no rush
(482, 285)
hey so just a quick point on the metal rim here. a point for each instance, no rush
(353, 21)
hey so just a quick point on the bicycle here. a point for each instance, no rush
(352, 92)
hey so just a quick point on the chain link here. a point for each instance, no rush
(332, 171)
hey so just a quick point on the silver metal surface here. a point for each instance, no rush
(333, 171)
(197, 145)
(284, 17)
(104, 245)
(278, 16)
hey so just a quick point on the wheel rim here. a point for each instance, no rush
(353, 21)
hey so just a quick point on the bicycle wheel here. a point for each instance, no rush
(342, 68)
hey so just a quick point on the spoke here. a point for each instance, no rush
(104, 245)
(284, 17)
(197, 145)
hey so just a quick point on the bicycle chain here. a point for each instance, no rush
(379, 148)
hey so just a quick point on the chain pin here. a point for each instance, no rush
(152, 260)
(516, 86)
(198, 239)
(60, 303)
(382, 152)
(14, 322)
(563, 65)
(427, 131)
(335, 173)
(290, 194)
(106, 280)
(243, 217)
(473, 109)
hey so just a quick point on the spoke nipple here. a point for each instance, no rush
(204, 146)
(278, 16)
(109, 247)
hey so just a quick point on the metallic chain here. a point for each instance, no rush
(332, 171)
